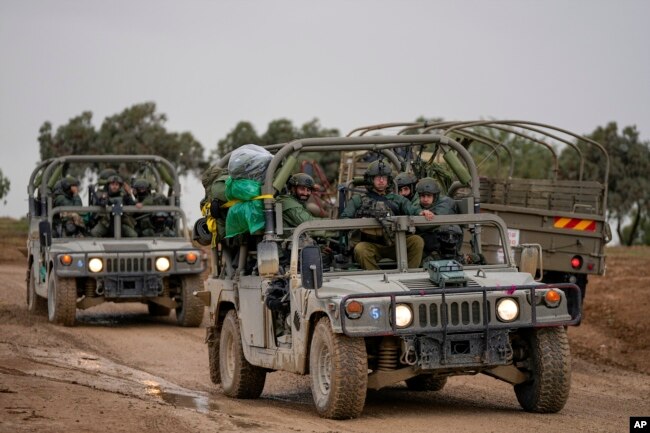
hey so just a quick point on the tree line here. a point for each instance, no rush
(140, 129)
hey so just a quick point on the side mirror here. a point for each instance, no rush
(311, 267)
(45, 233)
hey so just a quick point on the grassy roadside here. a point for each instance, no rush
(13, 239)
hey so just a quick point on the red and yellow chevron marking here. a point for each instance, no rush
(574, 224)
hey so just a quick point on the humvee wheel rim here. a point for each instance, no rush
(324, 370)
(230, 356)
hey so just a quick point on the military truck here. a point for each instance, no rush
(66, 273)
(276, 304)
(562, 215)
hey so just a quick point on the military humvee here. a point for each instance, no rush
(352, 329)
(66, 273)
(564, 213)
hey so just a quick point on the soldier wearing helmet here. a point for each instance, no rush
(115, 193)
(67, 194)
(150, 224)
(430, 198)
(294, 204)
(406, 184)
(380, 203)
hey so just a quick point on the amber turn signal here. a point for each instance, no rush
(65, 259)
(552, 297)
(191, 258)
(354, 309)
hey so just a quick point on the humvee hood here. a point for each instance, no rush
(384, 283)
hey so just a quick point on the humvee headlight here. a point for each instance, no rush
(162, 264)
(403, 315)
(95, 264)
(507, 309)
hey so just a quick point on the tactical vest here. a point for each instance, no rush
(377, 206)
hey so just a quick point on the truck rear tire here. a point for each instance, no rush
(550, 368)
(35, 304)
(190, 312)
(239, 378)
(338, 366)
(426, 382)
(61, 300)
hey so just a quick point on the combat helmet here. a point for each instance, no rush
(102, 178)
(378, 168)
(301, 179)
(427, 185)
(115, 178)
(408, 180)
(67, 183)
(449, 238)
(142, 188)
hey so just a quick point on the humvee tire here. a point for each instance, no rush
(338, 366)
(190, 312)
(157, 310)
(61, 300)
(550, 368)
(239, 378)
(426, 382)
(35, 304)
(213, 354)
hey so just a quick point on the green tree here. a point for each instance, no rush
(628, 185)
(243, 133)
(141, 130)
(529, 159)
(278, 131)
(74, 138)
(5, 185)
(313, 129)
(136, 130)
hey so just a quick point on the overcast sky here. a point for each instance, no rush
(209, 64)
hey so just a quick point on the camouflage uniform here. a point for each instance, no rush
(104, 225)
(378, 244)
(151, 224)
(68, 223)
(442, 205)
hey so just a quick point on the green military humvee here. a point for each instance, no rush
(66, 273)
(352, 329)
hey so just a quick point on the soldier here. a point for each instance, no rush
(406, 184)
(430, 198)
(115, 194)
(294, 204)
(67, 194)
(150, 224)
(380, 203)
(295, 212)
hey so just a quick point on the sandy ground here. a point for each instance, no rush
(120, 370)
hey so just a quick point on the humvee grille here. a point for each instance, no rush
(460, 313)
(129, 265)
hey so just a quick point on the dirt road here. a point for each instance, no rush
(121, 371)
